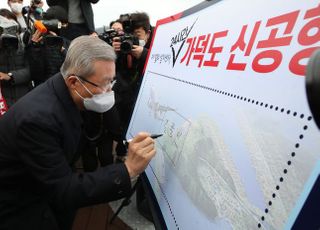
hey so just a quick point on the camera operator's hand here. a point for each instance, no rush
(137, 51)
(140, 151)
(4, 77)
(37, 36)
(52, 33)
(116, 44)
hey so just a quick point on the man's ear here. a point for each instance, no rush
(71, 82)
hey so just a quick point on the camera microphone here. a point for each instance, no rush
(48, 25)
(40, 26)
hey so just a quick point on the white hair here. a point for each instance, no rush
(83, 52)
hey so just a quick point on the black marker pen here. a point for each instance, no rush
(153, 136)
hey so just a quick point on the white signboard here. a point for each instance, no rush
(225, 85)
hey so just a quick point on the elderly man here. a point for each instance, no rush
(39, 136)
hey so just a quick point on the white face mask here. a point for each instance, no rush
(142, 42)
(99, 103)
(16, 7)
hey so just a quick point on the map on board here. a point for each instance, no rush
(237, 148)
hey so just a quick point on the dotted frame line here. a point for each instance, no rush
(165, 198)
(281, 179)
(242, 98)
(261, 104)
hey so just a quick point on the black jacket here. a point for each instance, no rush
(38, 140)
(85, 7)
(128, 85)
(15, 62)
(45, 60)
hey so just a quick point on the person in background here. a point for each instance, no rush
(39, 137)
(129, 77)
(80, 16)
(117, 26)
(14, 71)
(99, 134)
(46, 52)
(130, 65)
(36, 9)
(16, 8)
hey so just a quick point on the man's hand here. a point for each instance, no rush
(137, 51)
(141, 150)
(4, 77)
(116, 44)
(37, 36)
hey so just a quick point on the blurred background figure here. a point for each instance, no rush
(80, 16)
(116, 26)
(46, 50)
(14, 71)
(16, 7)
(34, 10)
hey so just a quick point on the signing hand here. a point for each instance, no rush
(140, 152)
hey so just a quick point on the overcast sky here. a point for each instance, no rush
(109, 10)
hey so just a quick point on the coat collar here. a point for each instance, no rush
(65, 98)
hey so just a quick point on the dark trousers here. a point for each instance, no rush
(94, 154)
(75, 30)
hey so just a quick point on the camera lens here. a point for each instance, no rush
(126, 46)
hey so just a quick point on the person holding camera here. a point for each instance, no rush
(80, 16)
(46, 51)
(14, 70)
(98, 135)
(130, 64)
(132, 49)
(39, 137)
(116, 26)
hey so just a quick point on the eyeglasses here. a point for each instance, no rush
(106, 87)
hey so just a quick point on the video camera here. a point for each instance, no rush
(47, 25)
(40, 20)
(127, 41)
(108, 36)
(126, 37)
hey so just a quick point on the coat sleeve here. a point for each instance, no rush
(40, 150)
(21, 76)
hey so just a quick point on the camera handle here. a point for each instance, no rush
(125, 202)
